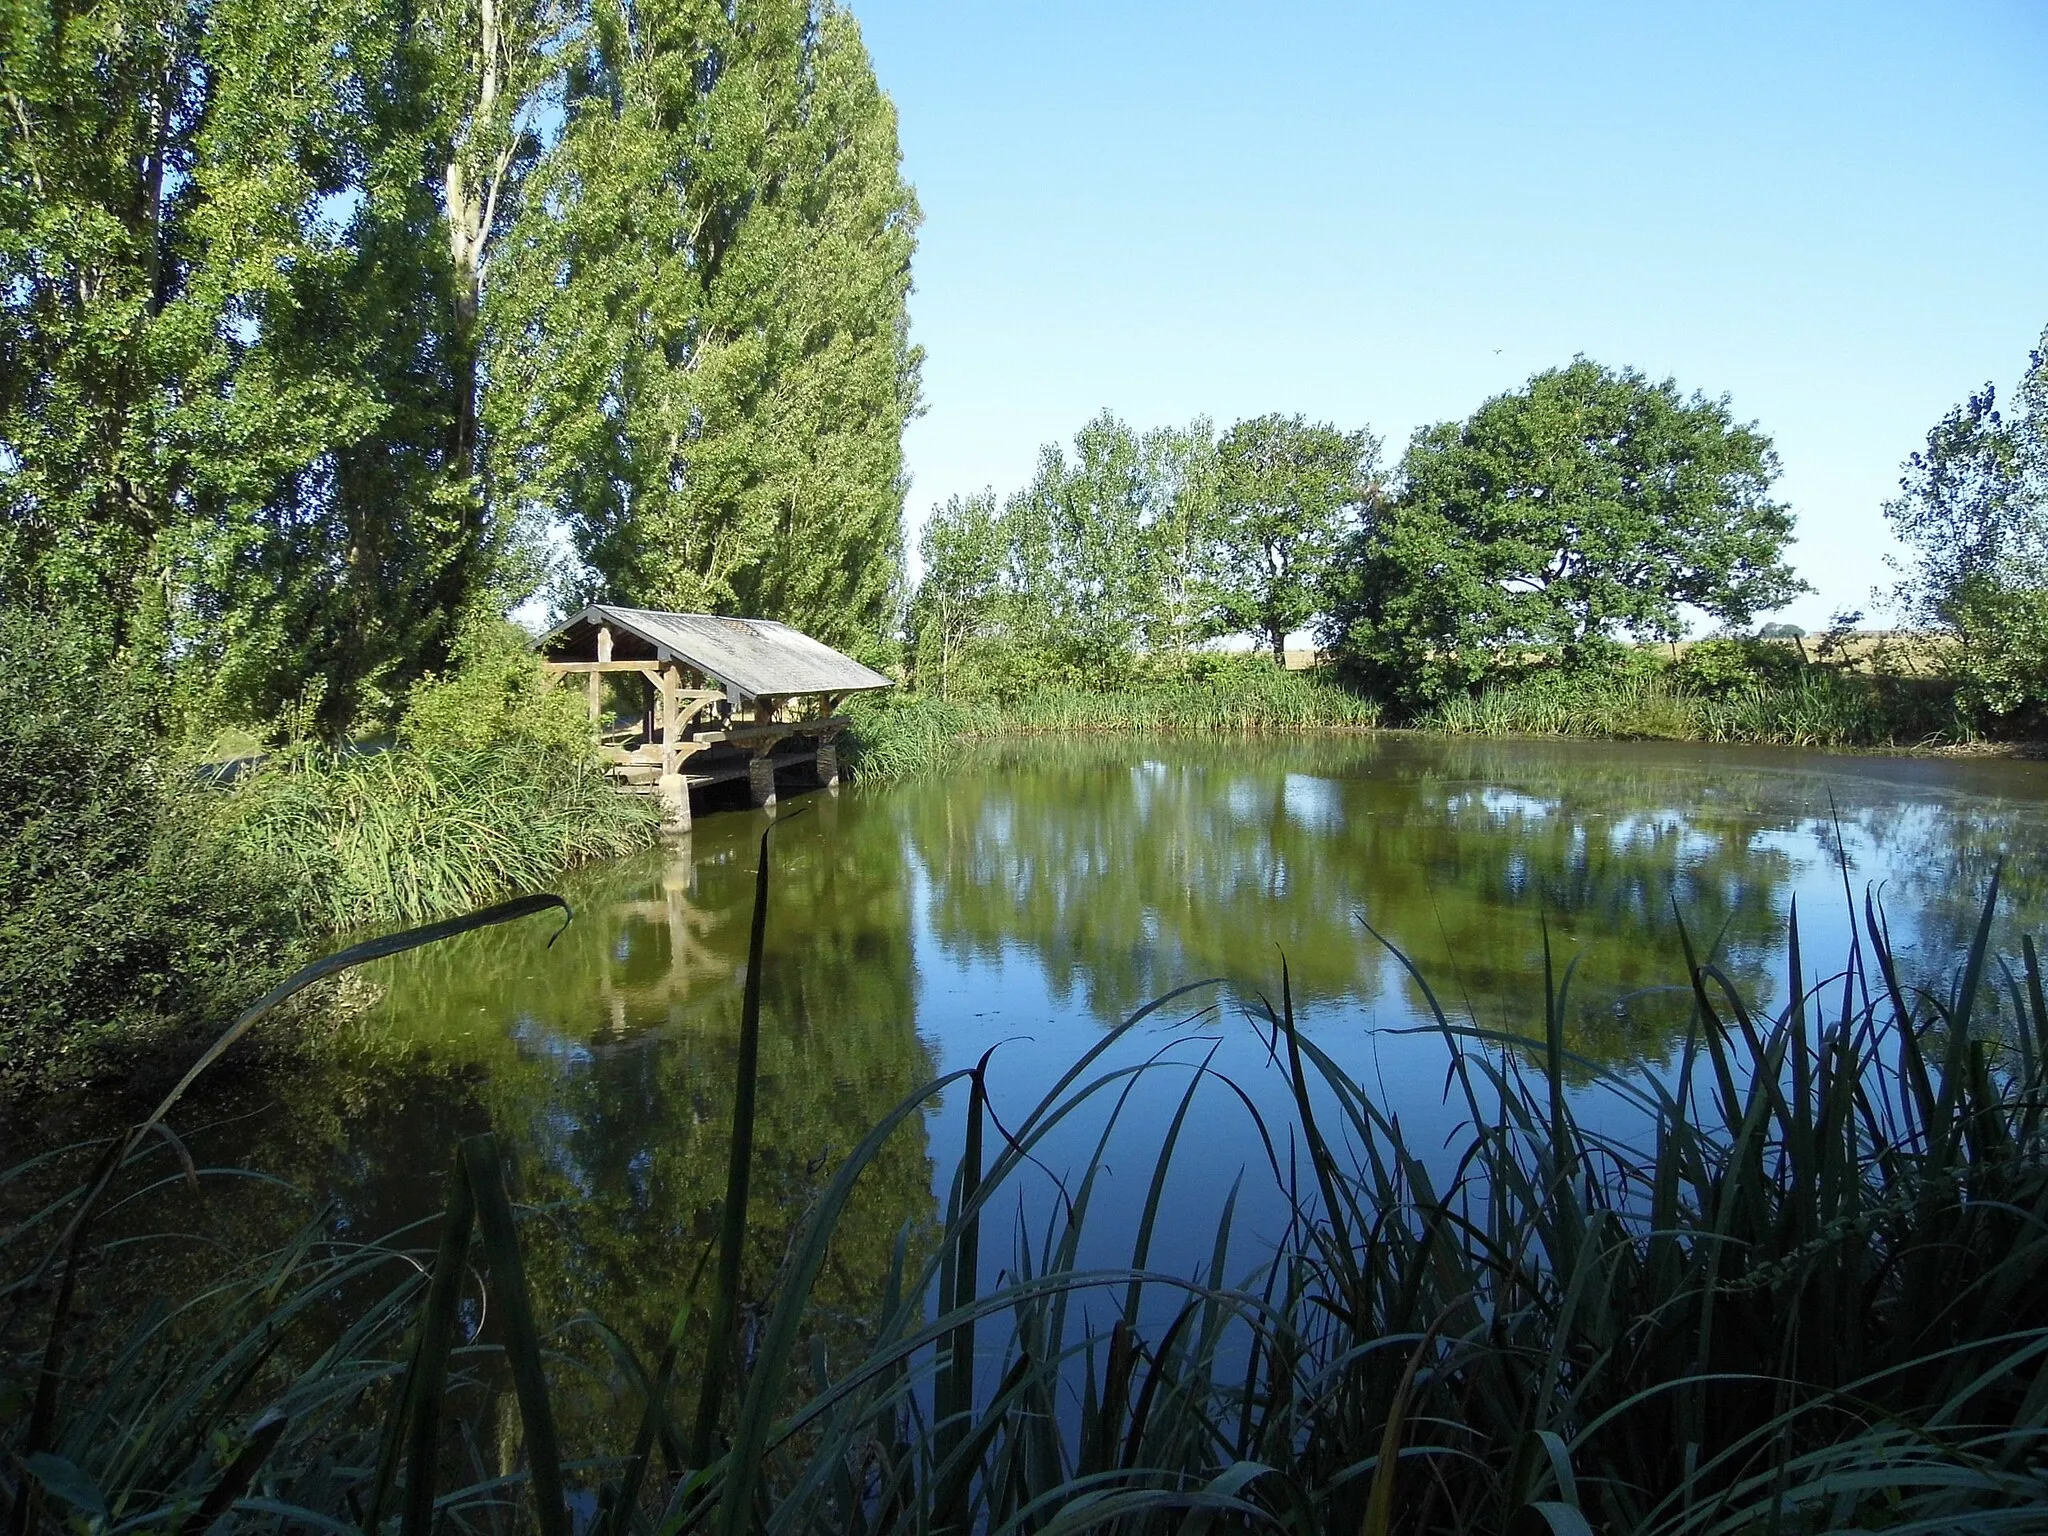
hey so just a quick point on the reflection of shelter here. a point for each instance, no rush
(659, 951)
(719, 698)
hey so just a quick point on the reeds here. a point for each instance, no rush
(1801, 1291)
(360, 839)
(901, 738)
(1816, 708)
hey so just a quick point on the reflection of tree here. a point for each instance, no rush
(606, 1065)
(1129, 871)
(1932, 857)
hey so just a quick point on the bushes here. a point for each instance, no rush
(139, 898)
(496, 693)
(124, 917)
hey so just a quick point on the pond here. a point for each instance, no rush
(1041, 893)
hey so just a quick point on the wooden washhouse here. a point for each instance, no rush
(720, 699)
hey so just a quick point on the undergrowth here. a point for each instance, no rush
(1799, 1293)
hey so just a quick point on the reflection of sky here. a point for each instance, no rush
(969, 1002)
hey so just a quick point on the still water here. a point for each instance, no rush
(1043, 892)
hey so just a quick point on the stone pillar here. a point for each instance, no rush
(761, 780)
(673, 791)
(828, 763)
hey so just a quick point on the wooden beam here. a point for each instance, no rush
(649, 667)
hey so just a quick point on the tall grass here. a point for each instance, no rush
(1816, 708)
(901, 737)
(403, 836)
(1801, 1294)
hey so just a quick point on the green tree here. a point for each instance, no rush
(1181, 469)
(961, 600)
(1973, 509)
(1082, 563)
(231, 405)
(1288, 490)
(700, 352)
(1590, 504)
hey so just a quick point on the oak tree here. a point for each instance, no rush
(1589, 505)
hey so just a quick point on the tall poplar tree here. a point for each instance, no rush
(233, 393)
(700, 359)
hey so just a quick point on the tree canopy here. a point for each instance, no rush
(701, 332)
(1591, 504)
(1287, 493)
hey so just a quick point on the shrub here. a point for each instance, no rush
(1727, 663)
(496, 693)
(123, 916)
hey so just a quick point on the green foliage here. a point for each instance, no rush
(416, 833)
(1727, 663)
(262, 263)
(496, 694)
(123, 919)
(1789, 1283)
(898, 736)
(227, 407)
(1287, 493)
(699, 341)
(1114, 563)
(1085, 584)
(1973, 509)
(1588, 505)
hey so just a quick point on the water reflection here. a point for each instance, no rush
(605, 1061)
(1044, 890)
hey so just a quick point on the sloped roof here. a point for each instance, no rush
(750, 657)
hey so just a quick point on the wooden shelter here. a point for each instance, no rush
(720, 698)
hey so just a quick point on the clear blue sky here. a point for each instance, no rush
(1380, 215)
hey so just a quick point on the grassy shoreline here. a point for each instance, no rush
(905, 735)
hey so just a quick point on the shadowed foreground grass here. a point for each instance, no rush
(1803, 1295)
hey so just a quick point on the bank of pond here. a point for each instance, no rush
(1609, 1137)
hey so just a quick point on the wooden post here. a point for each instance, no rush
(596, 695)
(671, 787)
(604, 642)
